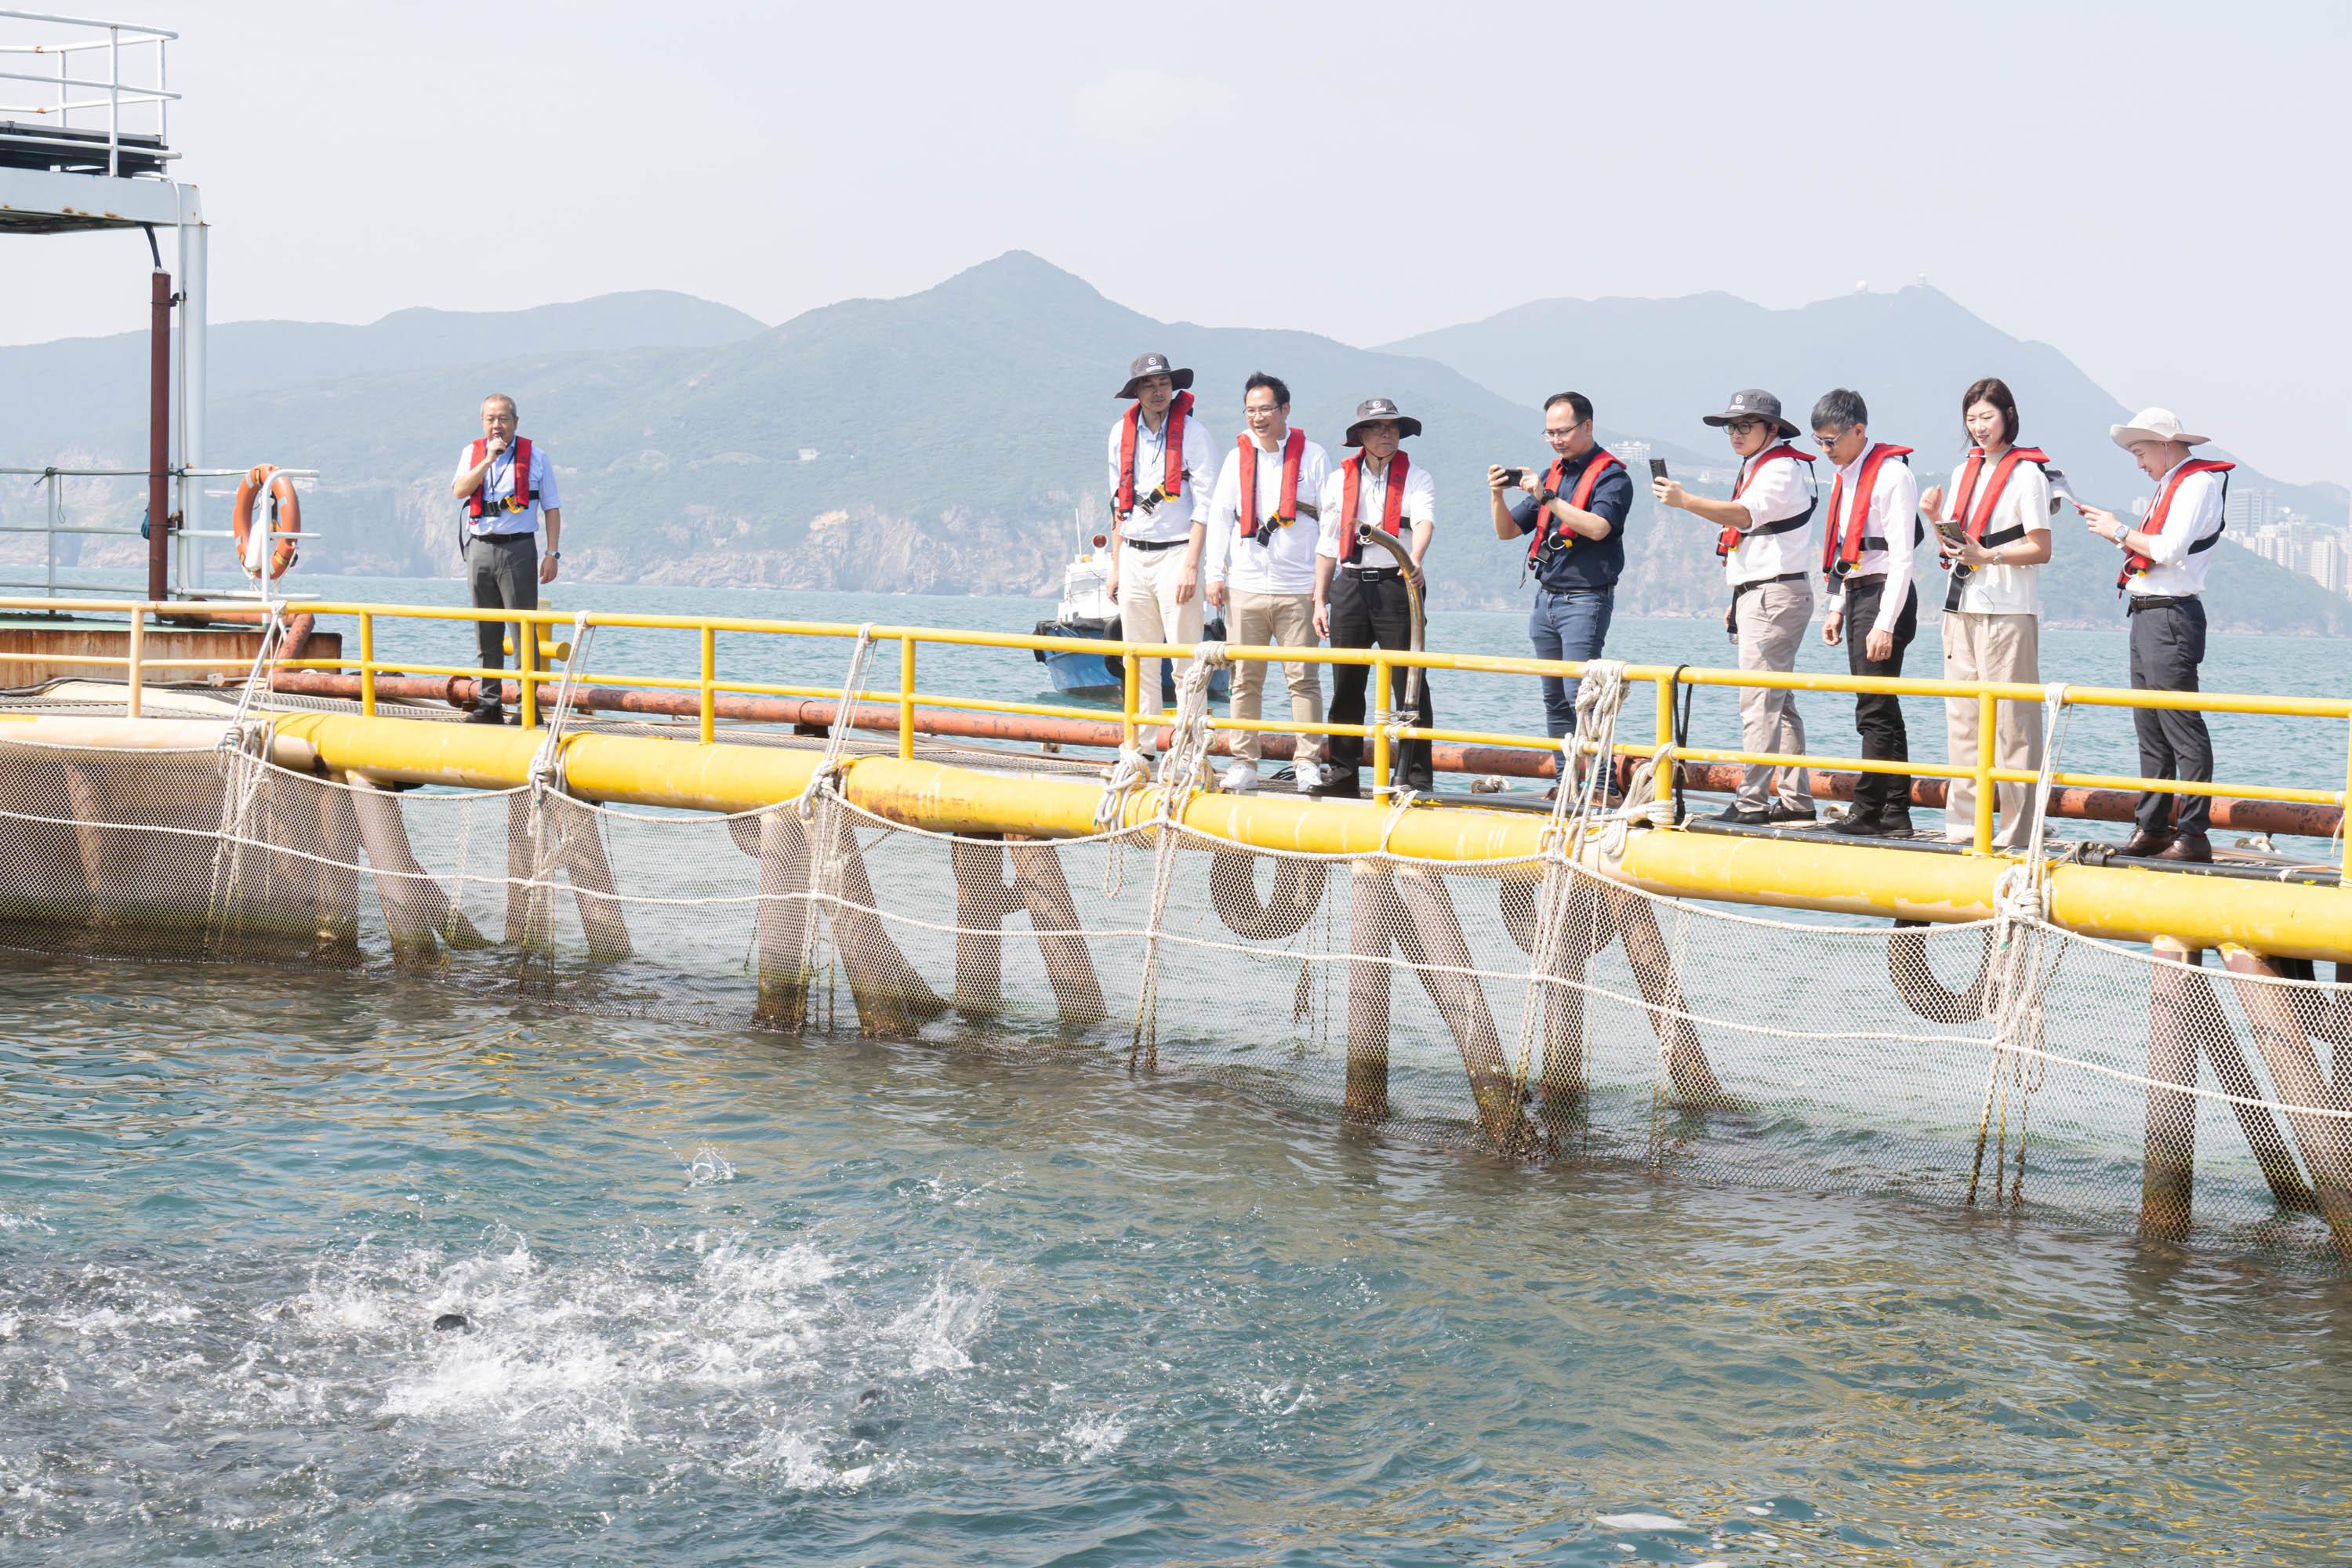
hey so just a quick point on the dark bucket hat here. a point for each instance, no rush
(1377, 410)
(1153, 364)
(1754, 404)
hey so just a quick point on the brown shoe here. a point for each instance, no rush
(2145, 845)
(2191, 847)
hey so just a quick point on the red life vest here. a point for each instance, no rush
(1729, 540)
(1172, 480)
(1285, 510)
(1843, 540)
(1351, 549)
(1547, 527)
(2153, 523)
(523, 494)
(1964, 489)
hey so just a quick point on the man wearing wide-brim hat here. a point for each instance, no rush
(1761, 534)
(2166, 558)
(1161, 471)
(1360, 597)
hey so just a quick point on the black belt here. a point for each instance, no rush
(1739, 589)
(2138, 602)
(1150, 544)
(1372, 573)
(1858, 582)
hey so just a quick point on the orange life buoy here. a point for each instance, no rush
(285, 519)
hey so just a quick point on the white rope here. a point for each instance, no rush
(818, 805)
(1180, 776)
(547, 763)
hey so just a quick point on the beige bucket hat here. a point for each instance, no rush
(2154, 425)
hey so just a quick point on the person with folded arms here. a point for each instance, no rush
(1359, 588)
(1761, 537)
(2164, 561)
(1161, 466)
(1262, 559)
(1573, 515)
(1868, 545)
(1996, 540)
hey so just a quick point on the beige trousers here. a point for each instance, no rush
(1273, 620)
(1771, 620)
(1991, 647)
(1147, 612)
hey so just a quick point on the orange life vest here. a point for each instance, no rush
(1729, 540)
(2153, 523)
(1963, 489)
(1172, 480)
(1351, 549)
(1285, 510)
(523, 494)
(1844, 540)
(1547, 527)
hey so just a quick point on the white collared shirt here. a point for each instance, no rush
(2196, 514)
(1419, 506)
(1893, 505)
(1286, 563)
(2024, 503)
(1171, 518)
(1782, 487)
(497, 483)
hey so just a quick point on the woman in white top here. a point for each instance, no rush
(1993, 612)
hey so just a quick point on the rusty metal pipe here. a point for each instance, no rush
(817, 713)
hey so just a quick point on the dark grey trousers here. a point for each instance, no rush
(502, 571)
(2168, 644)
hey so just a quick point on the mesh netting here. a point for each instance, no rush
(1527, 1006)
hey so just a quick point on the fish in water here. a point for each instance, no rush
(449, 1322)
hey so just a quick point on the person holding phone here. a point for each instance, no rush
(506, 483)
(1995, 540)
(1761, 537)
(1573, 516)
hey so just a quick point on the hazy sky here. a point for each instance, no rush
(2156, 188)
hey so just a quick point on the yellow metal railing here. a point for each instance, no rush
(1380, 729)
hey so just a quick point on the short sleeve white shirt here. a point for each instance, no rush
(1777, 490)
(1280, 561)
(2024, 503)
(1419, 505)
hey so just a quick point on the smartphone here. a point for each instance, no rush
(1657, 467)
(1951, 529)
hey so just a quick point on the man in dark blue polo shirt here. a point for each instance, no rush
(1575, 511)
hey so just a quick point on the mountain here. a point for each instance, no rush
(57, 392)
(1656, 366)
(949, 441)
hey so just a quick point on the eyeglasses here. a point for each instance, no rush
(1552, 434)
(1745, 426)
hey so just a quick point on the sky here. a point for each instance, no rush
(2155, 189)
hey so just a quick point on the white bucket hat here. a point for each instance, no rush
(2154, 425)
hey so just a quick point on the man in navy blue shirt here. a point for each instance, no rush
(1575, 512)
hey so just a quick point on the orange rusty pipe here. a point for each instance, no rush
(817, 712)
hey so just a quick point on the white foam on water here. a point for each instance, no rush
(708, 1168)
(799, 1462)
(938, 1329)
(1088, 1437)
(20, 1219)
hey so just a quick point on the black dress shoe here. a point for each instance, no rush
(1346, 786)
(1896, 824)
(1740, 817)
(2194, 848)
(1858, 824)
(2145, 845)
(1780, 813)
(487, 716)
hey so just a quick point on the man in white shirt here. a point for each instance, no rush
(1360, 589)
(507, 483)
(2164, 561)
(1261, 527)
(1160, 462)
(1762, 540)
(1867, 543)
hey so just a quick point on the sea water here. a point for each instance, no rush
(730, 1297)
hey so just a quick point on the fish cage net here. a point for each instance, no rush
(1530, 1008)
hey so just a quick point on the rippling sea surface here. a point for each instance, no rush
(730, 1297)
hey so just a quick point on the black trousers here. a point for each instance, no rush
(1878, 715)
(2168, 644)
(502, 571)
(1373, 612)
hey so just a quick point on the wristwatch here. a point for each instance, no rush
(555, 555)
(1545, 498)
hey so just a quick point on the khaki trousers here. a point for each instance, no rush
(1273, 620)
(1979, 646)
(1771, 621)
(1147, 612)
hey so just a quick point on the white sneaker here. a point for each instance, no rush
(1310, 775)
(1240, 779)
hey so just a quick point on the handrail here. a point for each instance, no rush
(708, 683)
